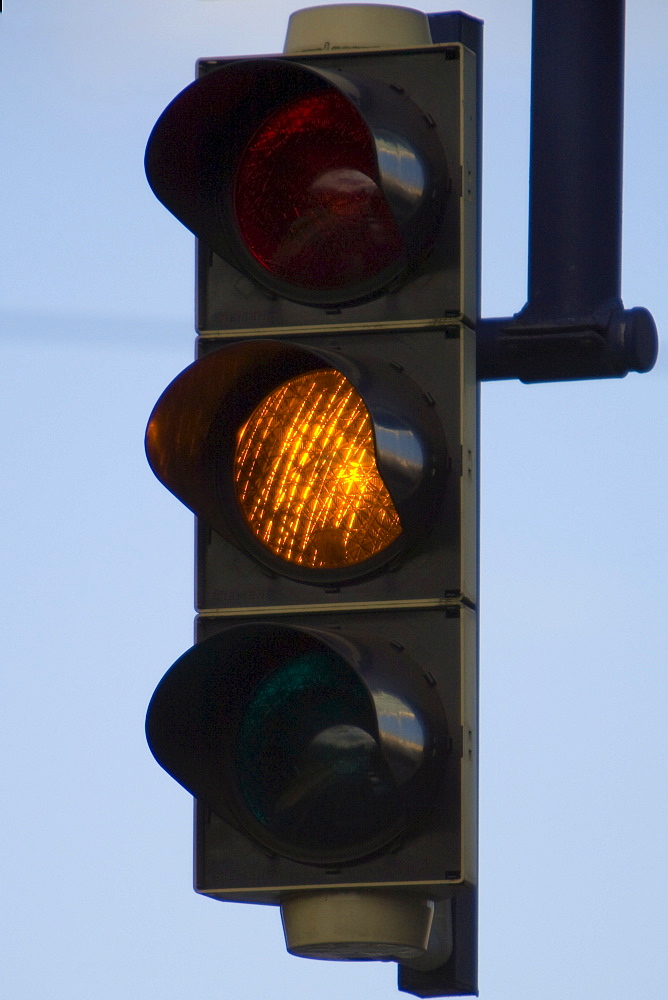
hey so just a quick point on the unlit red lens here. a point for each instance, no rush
(307, 198)
(306, 476)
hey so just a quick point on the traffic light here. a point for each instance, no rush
(326, 438)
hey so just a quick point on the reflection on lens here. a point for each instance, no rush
(306, 475)
(307, 199)
(309, 765)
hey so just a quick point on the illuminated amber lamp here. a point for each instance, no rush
(306, 477)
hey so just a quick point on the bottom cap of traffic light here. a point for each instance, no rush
(371, 924)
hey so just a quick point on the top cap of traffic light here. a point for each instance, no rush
(324, 187)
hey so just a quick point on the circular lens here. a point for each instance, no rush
(307, 197)
(308, 763)
(306, 476)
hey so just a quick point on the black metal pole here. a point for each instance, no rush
(574, 324)
(575, 181)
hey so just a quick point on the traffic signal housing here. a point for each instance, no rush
(326, 438)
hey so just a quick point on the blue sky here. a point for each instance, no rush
(96, 292)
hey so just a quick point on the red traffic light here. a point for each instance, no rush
(308, 200)
(325, 187)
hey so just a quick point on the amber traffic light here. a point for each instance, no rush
(324, 466)
(306, 477)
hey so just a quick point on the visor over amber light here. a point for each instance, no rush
(324, 188)
(317, 465)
